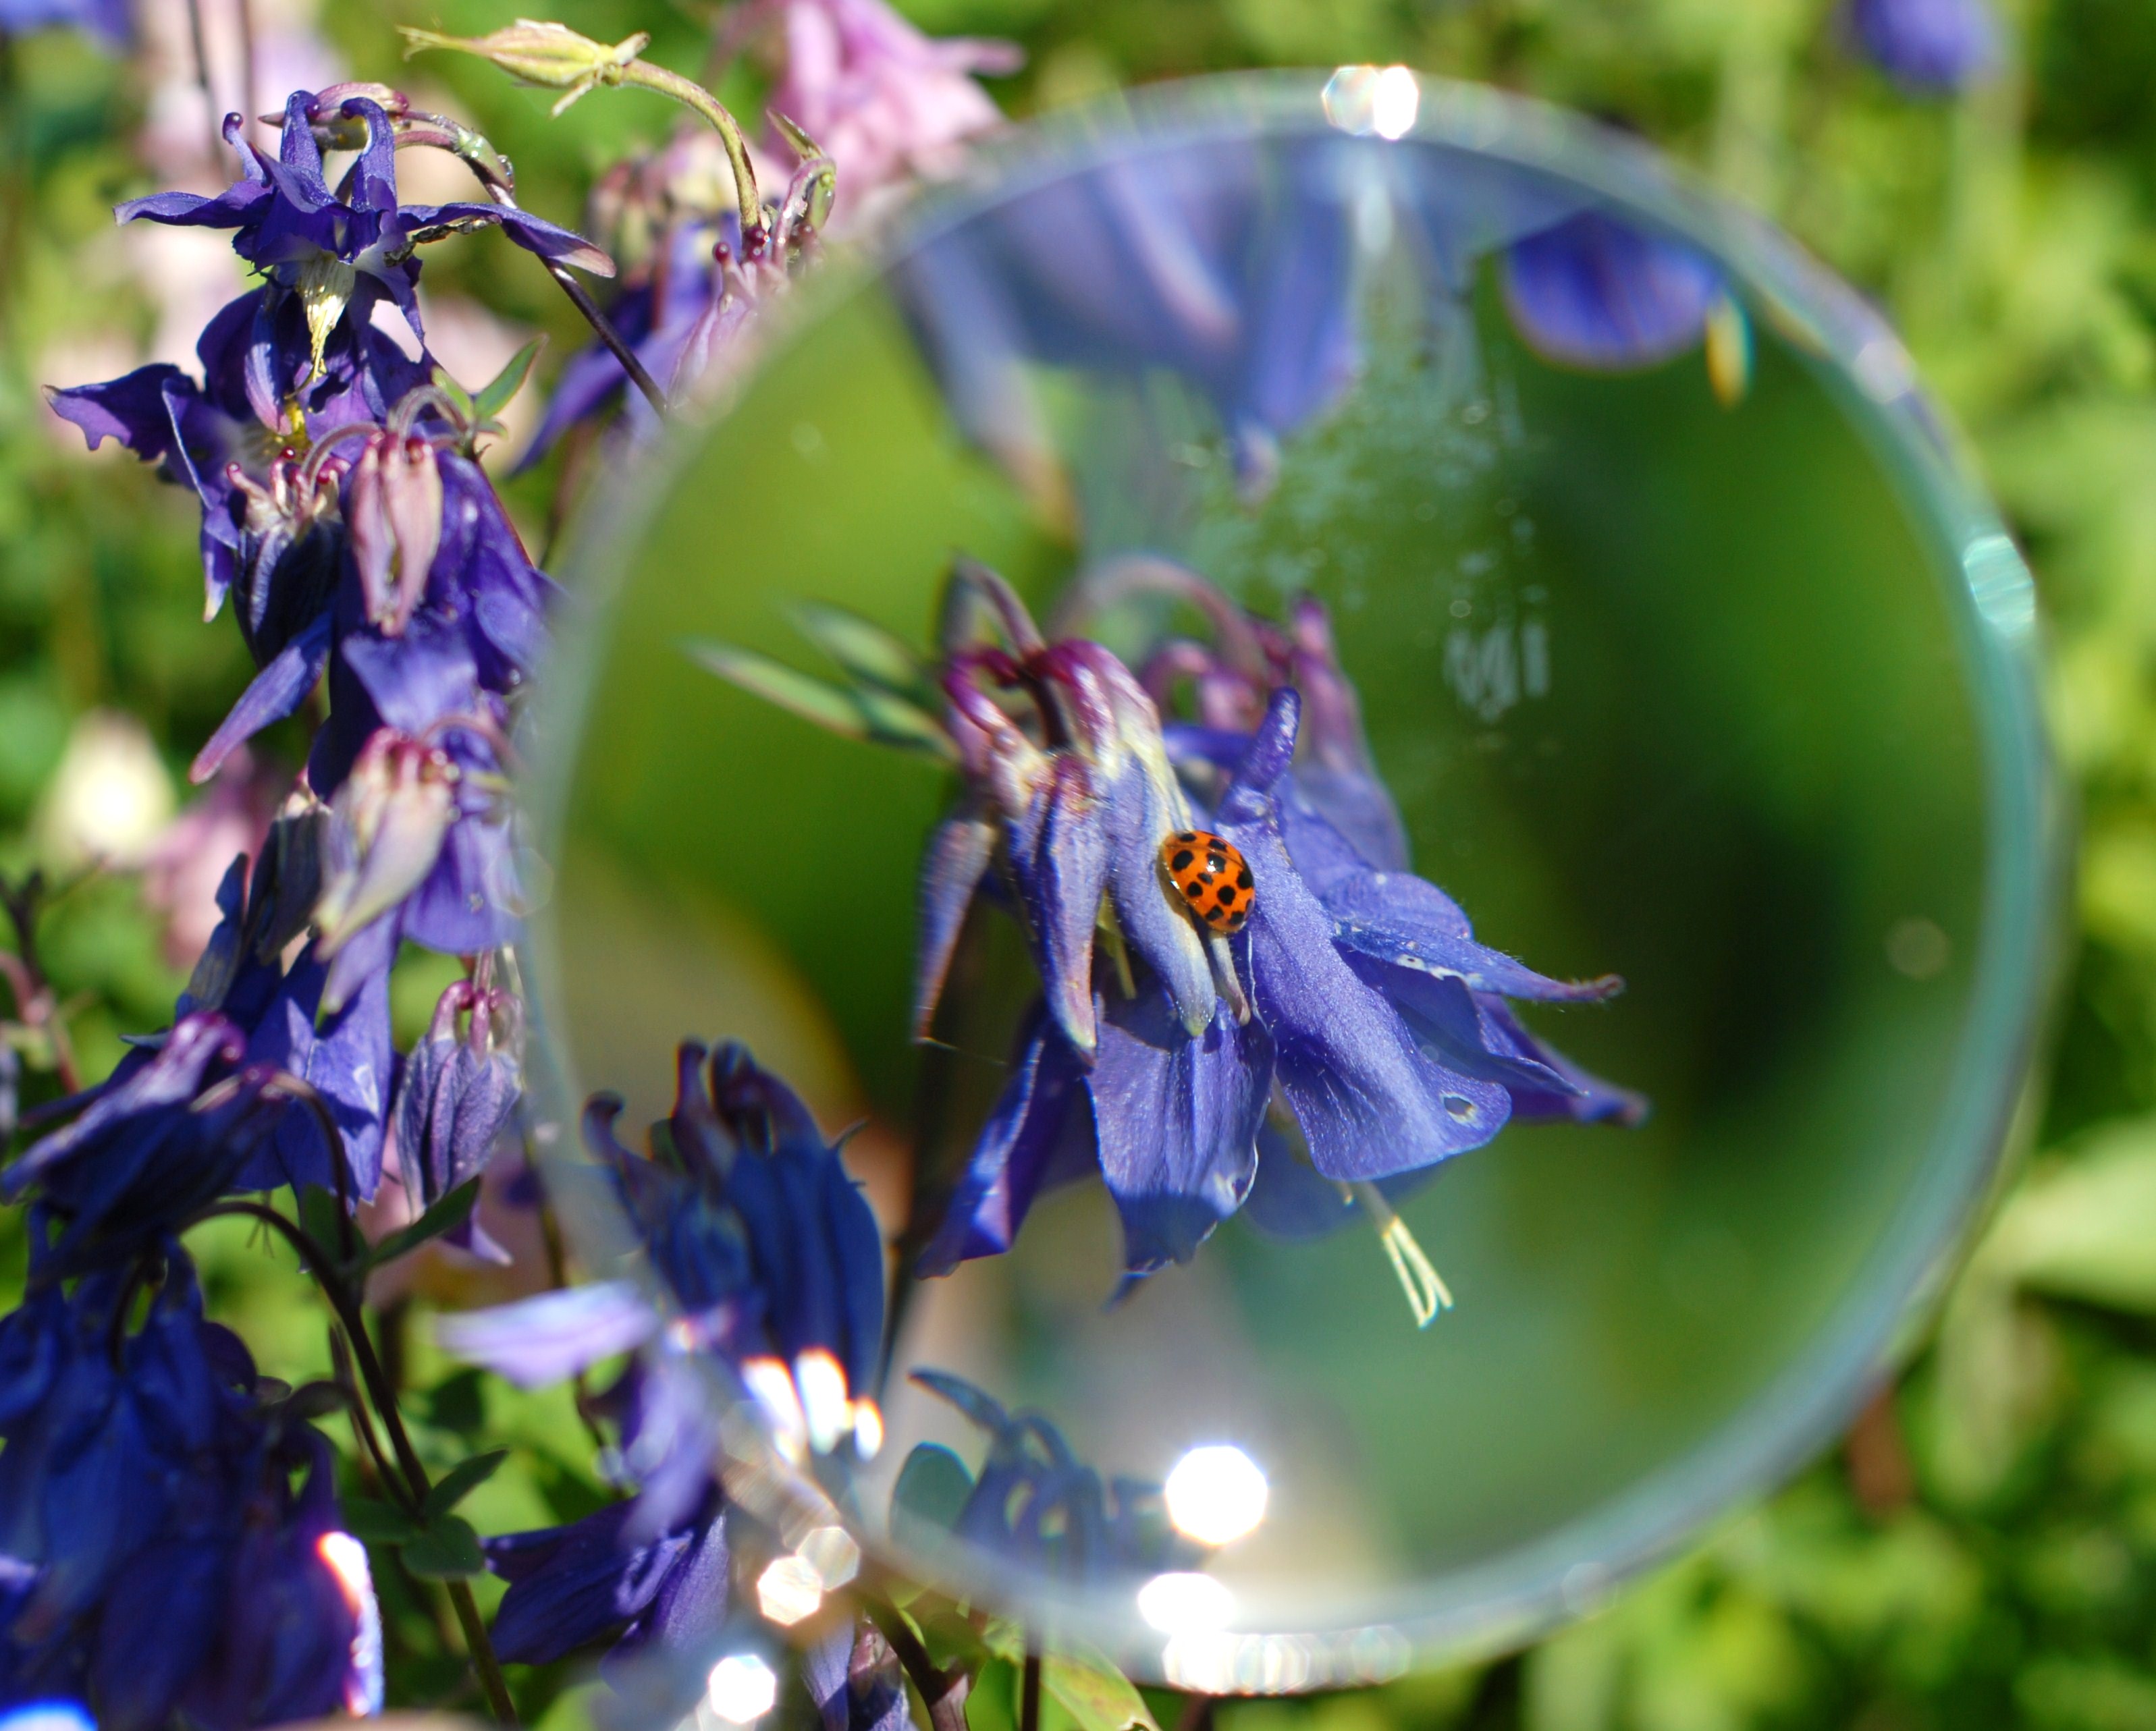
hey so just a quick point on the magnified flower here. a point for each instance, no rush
(1596, 293)
(1926, 46)
(1034, 1503)
(1227, 267)
(1343, 996)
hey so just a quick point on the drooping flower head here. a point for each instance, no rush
(157, 1562)
(768, 1261)
(1229, 268)
(1602, 295)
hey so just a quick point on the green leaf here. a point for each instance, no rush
(933, 1487)
(495, 395)
(1080, 1679)
(457, 394)
(461, 1480)
(378, 1523)
(446, 1216)
(322, 1218)
(446, 1550)
(894, 721)
(828, 706)
(865, 649)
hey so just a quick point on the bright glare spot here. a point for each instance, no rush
(1180, 1603)
(831, 1552)
(789, 1590)
(742, 1688)
(345, 1559)
(773, 1389)
(1394, 103)
(868, 1429)
(1216, 1494)
(110, 795)
(823, 1387)
(47, 1716)
(1380, 101)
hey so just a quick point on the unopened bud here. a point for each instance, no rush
(395, 517)
(387, 825)
(542, 53)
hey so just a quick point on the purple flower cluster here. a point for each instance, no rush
(346, 516)
(155, 1561)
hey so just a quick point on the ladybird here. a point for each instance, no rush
(1210, 876)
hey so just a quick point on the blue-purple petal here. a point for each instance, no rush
(1599, 293)
(1175, 1119)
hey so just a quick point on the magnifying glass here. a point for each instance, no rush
(1631, 604)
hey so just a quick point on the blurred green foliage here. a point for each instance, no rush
(1982, 1551)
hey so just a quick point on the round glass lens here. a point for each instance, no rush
(1178, 685)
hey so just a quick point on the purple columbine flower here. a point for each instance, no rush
(769, 1262)
(456, 1095)
(1353, 1003)
(340, 250)
(756, 1236)
(157, 1563)
(686, 310)
(1033, 1502)
(1927, 47)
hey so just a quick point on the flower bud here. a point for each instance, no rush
(542, 53)
(395, 517)
(387, 825)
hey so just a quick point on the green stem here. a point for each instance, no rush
(416, 1484)
(693, 95)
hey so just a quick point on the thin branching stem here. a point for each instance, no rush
(417, 1485)
(691, 95)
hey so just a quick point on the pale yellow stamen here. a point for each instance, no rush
(1428, 1295)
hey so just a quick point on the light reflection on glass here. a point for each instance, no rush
(1216, 1494)
(1373, 101)
(741, 1689)
(789, 1591)
(1181, 1602)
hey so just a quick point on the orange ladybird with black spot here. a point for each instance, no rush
(1213, 879)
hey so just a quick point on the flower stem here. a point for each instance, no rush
(1028, 1694)
(416, 1484)
(691, 95)
(944, 1696)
